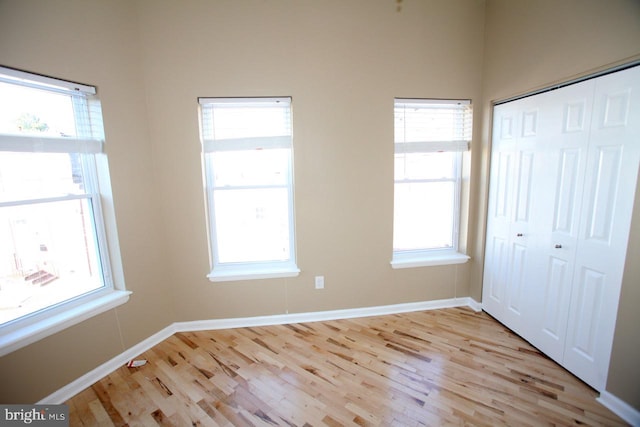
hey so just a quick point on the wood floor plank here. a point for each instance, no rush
(432, 368)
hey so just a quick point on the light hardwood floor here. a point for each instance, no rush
(432, 368)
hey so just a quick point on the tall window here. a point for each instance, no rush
(53, 248)
(247, 149)
(430, 136)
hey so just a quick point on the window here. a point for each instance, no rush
(247, 150)
(430, 136)
(55, 265)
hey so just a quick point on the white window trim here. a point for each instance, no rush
(59, 318)
(41, 324)
(435, 257)
(411, 259)
(225, 272)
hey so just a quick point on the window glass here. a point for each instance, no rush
(425, 166)
(424, 215)
(250, 167)
(50, 253)
(37, 175)
(26, 110)
(252, 225)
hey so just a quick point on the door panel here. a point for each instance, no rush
(574, 115)
(554, 320)
(499, 261)
(604, 185)
(616, 108)
(503, 185)
(530, 123)
(590, 290)
(517, 279)
(523, 189)
(566, 184)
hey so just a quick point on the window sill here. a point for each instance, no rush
(235, 274)
(42, 327)
(427, 259)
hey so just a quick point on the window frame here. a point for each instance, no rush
(421, 257)
(246, 270)
(32, 327)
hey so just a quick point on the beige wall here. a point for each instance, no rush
(531, 44)
(94, 42)
(343, 62)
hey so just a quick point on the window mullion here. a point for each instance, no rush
(425, 180)
(249, 187)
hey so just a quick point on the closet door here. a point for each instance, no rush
(610, 182)
(563, 180)
(503, 159)
(564, 126)
(522, 270)
(515, 155)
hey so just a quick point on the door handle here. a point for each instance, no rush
(519, 235)
(558, 246)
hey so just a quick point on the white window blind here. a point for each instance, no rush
(231, 124)
(425, 125)
(72, 111)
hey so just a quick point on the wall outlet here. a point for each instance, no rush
(319, 282)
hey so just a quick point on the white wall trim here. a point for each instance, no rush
(620, 408)
(75, 387)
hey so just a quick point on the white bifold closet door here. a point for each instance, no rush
(564, 170)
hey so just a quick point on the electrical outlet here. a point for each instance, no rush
(319, 282)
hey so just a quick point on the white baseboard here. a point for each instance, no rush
(88, 379)
(474, 305)
(317, 316)
(620, 408)
(75, 387)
